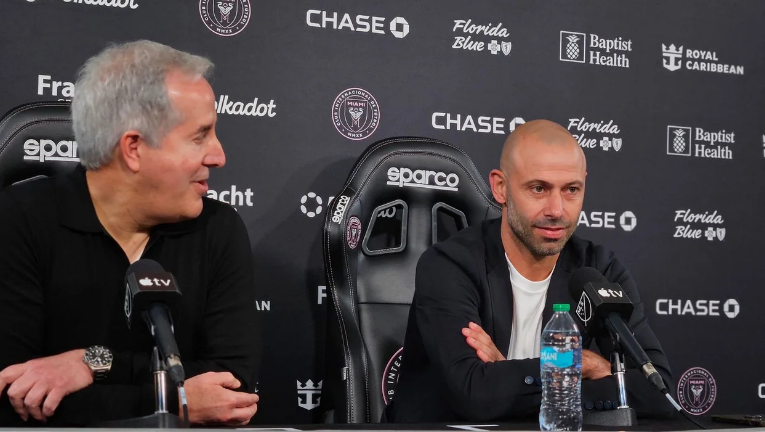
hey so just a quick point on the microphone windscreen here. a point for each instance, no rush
(581, 277)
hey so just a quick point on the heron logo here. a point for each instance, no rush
(356, 114)
(696, 391)
(225, 17)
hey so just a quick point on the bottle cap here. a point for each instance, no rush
(561, 307)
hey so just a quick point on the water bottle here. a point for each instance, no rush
(561, 372)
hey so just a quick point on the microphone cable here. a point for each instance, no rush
(184, 403)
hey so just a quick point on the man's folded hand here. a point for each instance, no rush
(47, 379)
(480, 341)
(212, 400)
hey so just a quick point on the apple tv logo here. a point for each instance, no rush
(610, 293)
(153, 282)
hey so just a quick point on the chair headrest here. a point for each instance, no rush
(36, 139)
(414, 175)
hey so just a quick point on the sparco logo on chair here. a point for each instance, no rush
(49, 150)
(337, 216)
(423, 179)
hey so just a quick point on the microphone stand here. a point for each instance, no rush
(162, 418)
(623, 415)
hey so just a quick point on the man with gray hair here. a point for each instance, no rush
(144, 120)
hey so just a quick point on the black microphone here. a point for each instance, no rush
(605, 306)
(152, 293)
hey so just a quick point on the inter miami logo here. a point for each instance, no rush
(353, 232)
(697, 391)
(355, 113)
(225, 17)
(678, 140)
(390, 376)
(672, 57)
(572, 46)
(309, 395)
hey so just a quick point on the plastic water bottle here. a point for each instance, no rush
(561, 371)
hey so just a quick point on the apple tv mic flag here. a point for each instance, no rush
(153, 293)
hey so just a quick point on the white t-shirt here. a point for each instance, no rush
(528, 304)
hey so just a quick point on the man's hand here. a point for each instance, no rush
(211, 402)
(480, 341)
(594, 366)
(47, 378)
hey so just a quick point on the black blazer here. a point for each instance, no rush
(466, 278)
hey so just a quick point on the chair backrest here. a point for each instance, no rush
(36, 139)
(403, 195)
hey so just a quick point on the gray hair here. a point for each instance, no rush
(123, 88)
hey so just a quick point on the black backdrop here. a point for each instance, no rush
(639, 83)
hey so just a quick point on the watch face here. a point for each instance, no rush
(98, 356)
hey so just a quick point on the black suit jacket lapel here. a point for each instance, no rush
(500, 290)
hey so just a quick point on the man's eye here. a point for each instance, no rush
(538, 189)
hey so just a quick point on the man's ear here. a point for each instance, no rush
(128, 148)
(498, 183)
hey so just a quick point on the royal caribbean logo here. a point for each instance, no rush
(696, 60)
(697, 391)
(355, 114)
(225, 17)
(309, 394)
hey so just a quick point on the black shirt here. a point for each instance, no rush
(61, 288)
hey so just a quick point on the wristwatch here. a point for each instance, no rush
(99, 360)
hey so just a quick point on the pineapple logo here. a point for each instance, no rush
(572, 50)
(572, 46)
(678, 140)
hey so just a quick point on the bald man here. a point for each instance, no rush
(471, 351)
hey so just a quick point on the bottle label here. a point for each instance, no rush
(551, 357)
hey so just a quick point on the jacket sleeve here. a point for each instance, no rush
(446, 300)
(641, 395)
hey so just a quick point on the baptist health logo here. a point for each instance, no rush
(574, 47)
(697, 60)
(309, 394)
(687, 141)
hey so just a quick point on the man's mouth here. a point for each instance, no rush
(551, 232)
(202, 185)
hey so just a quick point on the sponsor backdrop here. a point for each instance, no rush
(667, 99)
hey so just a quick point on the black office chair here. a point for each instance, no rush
(403, 195)
(36, 139)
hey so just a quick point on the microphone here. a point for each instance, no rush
(152, 293)
(605, 306)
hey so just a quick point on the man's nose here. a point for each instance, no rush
(216, 157)
(554, 206)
